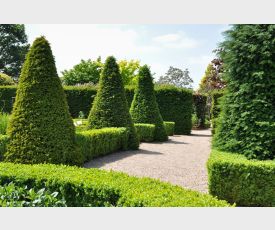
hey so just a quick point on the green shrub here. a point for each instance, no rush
(40, 128)
(200, 109)
(19, 196)
(145, 132)
(169, 127)
(7, 95)
(95, 187)
(176, 105)
(247, 118)
(238, 180)
(99, 142)
(215, 107)
(4, 119)
(5, 79)
(109, 108)
(144, 107)
(4, 140)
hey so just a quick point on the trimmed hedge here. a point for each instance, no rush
(144, 107)
(200, 109)
(174, 104)
(169, 127)
(4, 140)
(110, 108)
(238, 180)
(145, 132)
(40, 128)
(99, 142)
(94, 187)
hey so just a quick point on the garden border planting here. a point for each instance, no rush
(94, 187)
(238, 180)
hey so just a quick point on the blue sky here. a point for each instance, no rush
(159, 46)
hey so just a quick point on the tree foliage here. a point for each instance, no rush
(6, 79)
(13, 48)
(176, 77)
(83, 73)
(212, 79)
(129, 71)
(247, 119)
(110, 107)
(41, 129)
(144, 108)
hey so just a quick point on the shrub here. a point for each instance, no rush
(7, 95)
(145, 132)
(99, 142)
(238, 180)
(5, 79)
(95, 187)
(200, 109)
(247, 119)
(176, 105)
(19, 196)
(169, 127)
(40, 128)
(215, 107)
(144, 107)
(4, 118)
(110, 106)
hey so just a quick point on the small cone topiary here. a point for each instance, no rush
(144, 107)
(41, 129)
(110, 106)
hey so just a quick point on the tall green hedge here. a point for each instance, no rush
(200, 108)
(40, 128)
(144, 107)
(247, 123)
(110, 106)
(174, 104)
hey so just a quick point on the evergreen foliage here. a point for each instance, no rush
(144, 107)
(247, 119)
(110, 108)
(6, 79)
(40, 128)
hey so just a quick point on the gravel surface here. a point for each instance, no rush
(181, 160)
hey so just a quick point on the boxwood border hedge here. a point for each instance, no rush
(94, 187)
(238, 180)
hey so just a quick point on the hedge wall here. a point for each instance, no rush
(169, 127)
(215, 108)
(94, 187)
(238, 180)
(175, 104)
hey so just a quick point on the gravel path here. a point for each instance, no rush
(181, 160)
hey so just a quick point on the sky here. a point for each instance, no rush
(159, 46)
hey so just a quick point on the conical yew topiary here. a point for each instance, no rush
(41, 129)
(110, 106)
(144, 107)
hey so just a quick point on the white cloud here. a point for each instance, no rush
(176, 40)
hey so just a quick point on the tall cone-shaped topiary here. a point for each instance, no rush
(144, 108)
(110, 106)
(41, 129)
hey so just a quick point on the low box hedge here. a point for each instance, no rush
(145, 132)
(238, 180)
(169, 127)
(81, 187)
(99, 142)
(92, 143)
